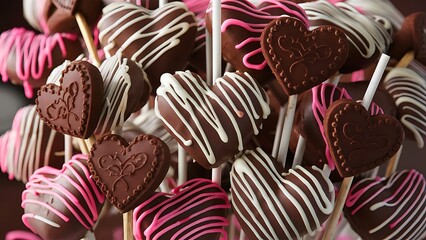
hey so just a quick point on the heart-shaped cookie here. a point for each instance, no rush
(393, 208)
(242, 25)
(359, 142)
(195, 210)
(74, 106)
(62, 203)
(160, 40)
(302, 59)
(212, 124)
(128, 173)
(269, 205)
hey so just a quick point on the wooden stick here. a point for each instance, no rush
(393, 163)
(128, 225)
(88, 39)
(406, 60)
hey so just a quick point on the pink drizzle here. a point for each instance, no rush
(33, 53)
(182, 199)
(47, 180)
(247, 8)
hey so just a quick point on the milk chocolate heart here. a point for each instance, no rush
(62, 203)
(195, 210)
(128, 173)
(272, 205)
(74, 106)
(302, 59)
(160, 40)
(393, 208)
(242, 25)
(212, 124)
(358, 141)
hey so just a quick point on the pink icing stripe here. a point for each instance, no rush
(353, 198)
(46, 180)
(182, 199)
(33, 53)
(22, 235)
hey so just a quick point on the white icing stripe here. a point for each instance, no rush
(146, 55)
(248, 169)
(43, 219)
(198, 104)
(366, 35)
(409, 92)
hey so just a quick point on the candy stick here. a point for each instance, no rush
(128, 225)
(217, 62)
(347, 181)
(406, 59)
(68, 147)
(88, 39)
(279, 130)
(393, 164)
(288, 125)
(182, 166)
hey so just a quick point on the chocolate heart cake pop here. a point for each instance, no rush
(128, 173)
(74, 106)
(150, 38)
(29, 145)
(368, 38)
(212, 124)
(241, 26)
(27, 57)
(193, 210)
(393, 208)
(270, 204)
(62, 203)
(301, 59)
(359, 142)
(408, 89)
(126, 90)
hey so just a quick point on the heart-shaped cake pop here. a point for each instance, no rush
(302, 59)
(269, 205)
(195, 210)
(128, 173)
(74, 106)
(241, 26)
(212, 124)
(62, 203)
(393, 208)
(161, 40)
(359, 142)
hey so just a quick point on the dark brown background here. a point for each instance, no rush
(11, 99)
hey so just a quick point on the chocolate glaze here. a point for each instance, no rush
(74, 106)
(357, 141)
(128, 173)
(62, 203)
(392, 208)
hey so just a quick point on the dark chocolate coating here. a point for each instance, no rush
(357, 141)
(74, 107)
(128, 173)
(388, 208)
(299, 58)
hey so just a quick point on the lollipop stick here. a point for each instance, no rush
(217, 62)
(128, 225)
(393, 164)
(300, 150)
(279, 131)
(68, 147)
(406, 60)
(288, 125)
(344, 189)
(88, 39)
(182, 166)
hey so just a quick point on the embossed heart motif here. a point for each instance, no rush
(393, 208)
(128, 173)
(212, 124)
(195, 210)
(359, 142)
(242, 26)
(74, 106)
(302, 59)
(272, 205)
(160, 40)
(62, 203)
